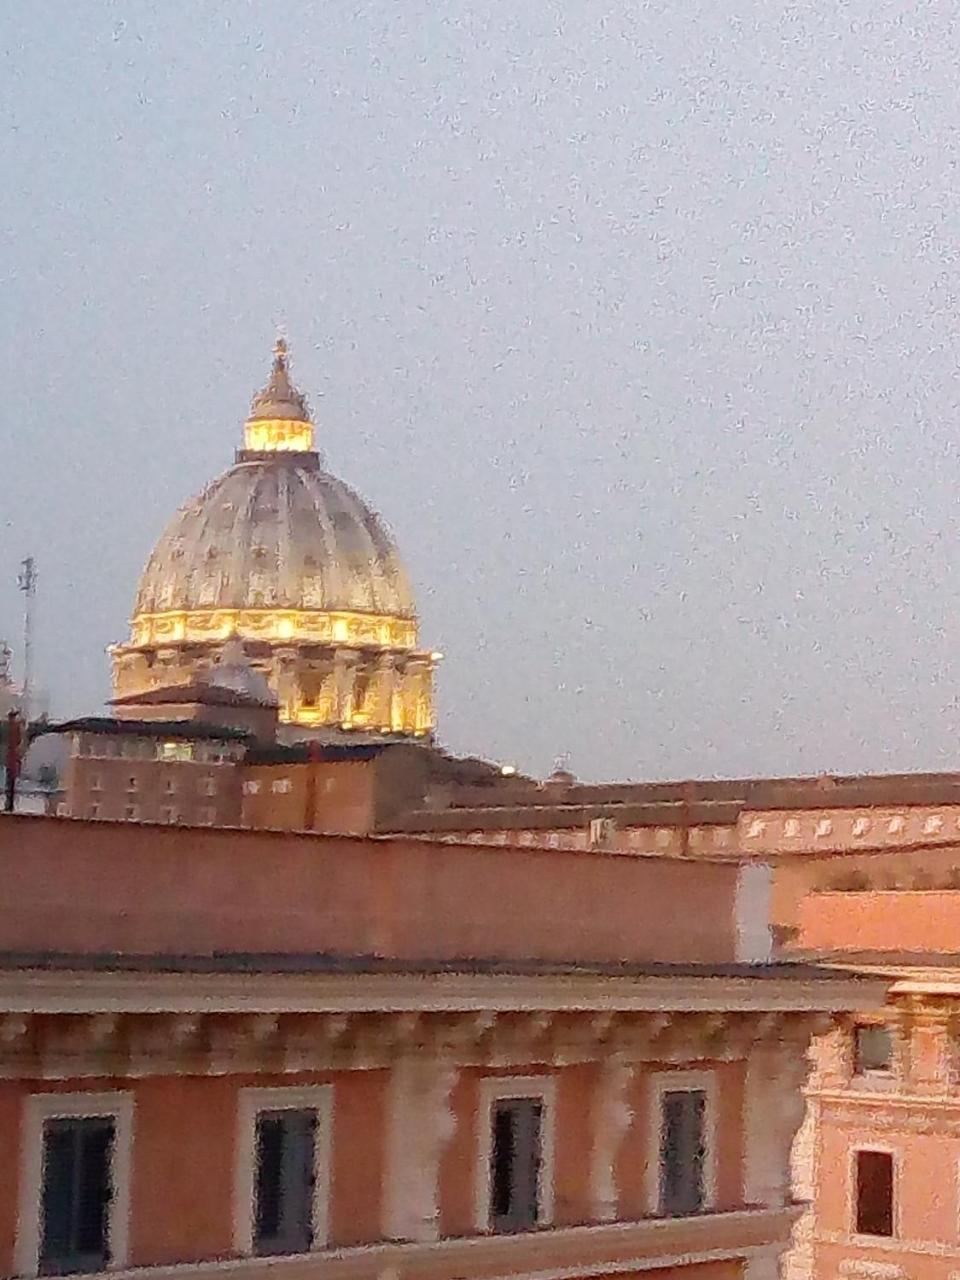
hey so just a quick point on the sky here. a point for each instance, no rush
(637, 322)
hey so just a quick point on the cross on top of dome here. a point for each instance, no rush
(279, 399)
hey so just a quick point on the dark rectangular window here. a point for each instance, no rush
(515, 1163)
(874, 1193)
(872, 1049)
(682, 1152)
(76, 1195)
(285, 1153)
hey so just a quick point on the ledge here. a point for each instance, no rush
(610, 1249)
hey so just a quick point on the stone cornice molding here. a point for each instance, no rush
(72, 1046)
(77, 991)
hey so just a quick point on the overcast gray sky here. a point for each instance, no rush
(637, 322)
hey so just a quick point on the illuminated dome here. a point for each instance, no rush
(275, 533)
(283, 557)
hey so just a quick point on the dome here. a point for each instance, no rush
(278, 533)
(281, 566)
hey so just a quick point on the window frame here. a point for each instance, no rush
(661, 1083)
(38, 1108)
(492, 1089)
(315, 1097)
(878, 1148)
(859, 1072)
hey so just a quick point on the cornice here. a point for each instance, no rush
(77, 991)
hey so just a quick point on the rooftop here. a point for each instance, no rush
(186, 729)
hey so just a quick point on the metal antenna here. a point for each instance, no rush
(27, 582)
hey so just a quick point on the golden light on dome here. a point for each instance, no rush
(277, 435)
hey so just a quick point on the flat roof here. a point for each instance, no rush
(151, 728)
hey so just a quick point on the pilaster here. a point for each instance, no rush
(773, 1113)
(612, 1118)
(420, 1125)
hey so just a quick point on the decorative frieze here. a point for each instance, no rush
(82, 1045)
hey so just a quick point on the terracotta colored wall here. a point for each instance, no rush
(730, 1153)
(925, 1189)
(903, 921)
(576, 1092)
(11, 1108)
(185, 1133)
(183, 1169)
(150, 796)
(359, 1129)
(343, 797)
(457, 1166)
(102, 886)
(794, 878)
(635, 1152)
(576, 1096)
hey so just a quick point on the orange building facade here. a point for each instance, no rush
(867, 878)
(230, 1052)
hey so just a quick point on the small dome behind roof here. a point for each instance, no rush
(234, 672)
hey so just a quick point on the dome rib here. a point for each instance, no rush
(292, 537)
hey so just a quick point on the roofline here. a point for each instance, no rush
(175, 831)
(118, 726)
(81, 991)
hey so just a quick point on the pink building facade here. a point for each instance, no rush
(234, 1052)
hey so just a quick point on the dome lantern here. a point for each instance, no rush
(279, 420)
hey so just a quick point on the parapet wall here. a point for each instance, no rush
(76, 886)
(918, 922)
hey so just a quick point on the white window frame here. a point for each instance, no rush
(664, 1082)
(38, 1109)
(317, 1098)
(501, 1088)
(895, 1156)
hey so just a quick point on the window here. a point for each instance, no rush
(208, 787)
(131, 813)
(175, 751)
(95, 784)
(251, 788)
(170, 786)
(283, 1170)
(93, 811)
(515, 1163)
(169, 815)
(681, 1168)
(682, 1151)
(874, 1193)
(281, 786)
(872, 1049)
(76, 1194)
(131, 784)
(74, 1183)
(208, 816)
(515, 1154)
(284, 1150)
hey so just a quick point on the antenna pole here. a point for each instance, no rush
(27, 582)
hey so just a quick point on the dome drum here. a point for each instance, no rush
(287, 559)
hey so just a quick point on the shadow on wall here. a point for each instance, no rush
(862, 882)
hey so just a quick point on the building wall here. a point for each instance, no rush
(917, 921)
(102, 886)
(185, 1132)
(330, 797)
(109, 787)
